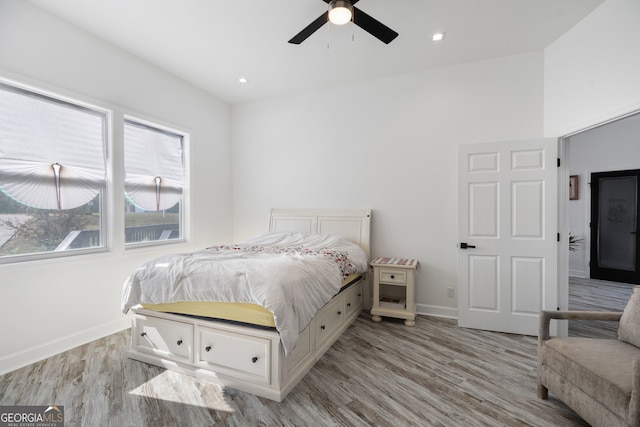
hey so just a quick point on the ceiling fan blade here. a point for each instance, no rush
(310, 29)
(373, 26)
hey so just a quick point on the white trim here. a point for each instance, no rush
(106, 114)
(564, 153)
(55, 93)
(580, 274)
(185, 211)
(599, 121)
(51, 348)
(436, 311)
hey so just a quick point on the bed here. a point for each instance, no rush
(247, 348)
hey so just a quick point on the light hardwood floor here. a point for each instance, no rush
(377, 374)
(596, 295)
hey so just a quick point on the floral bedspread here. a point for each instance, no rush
(341, 258)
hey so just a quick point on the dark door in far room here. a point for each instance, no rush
(614, 226)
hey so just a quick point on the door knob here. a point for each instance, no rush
(464, 245)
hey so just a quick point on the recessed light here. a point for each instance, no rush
(436, 37)
(243, 80)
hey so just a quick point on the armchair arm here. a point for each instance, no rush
(546, 316)
(633, 418)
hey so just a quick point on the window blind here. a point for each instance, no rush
(52, 154)
(154, 168)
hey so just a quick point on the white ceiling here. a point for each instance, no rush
(210, 43)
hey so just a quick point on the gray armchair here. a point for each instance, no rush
(598, 378)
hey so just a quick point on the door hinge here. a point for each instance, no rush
(558, 161)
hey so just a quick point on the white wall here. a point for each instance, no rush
(390, 145)
(592, 73)
(591, 76)
(615, 146)
(50, 306)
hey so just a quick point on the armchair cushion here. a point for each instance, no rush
(629, 327)
(598, 367)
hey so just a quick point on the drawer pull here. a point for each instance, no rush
(359, 295)
(339, 313)
(322, 327)
(348, 304)
(254, 359)
(393, 277)
(179, 342)
(207, 348)
(143, 334)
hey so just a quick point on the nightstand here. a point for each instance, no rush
(394, 289)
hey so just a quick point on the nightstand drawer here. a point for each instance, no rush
(393, 276)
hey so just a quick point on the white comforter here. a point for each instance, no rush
(290, 274)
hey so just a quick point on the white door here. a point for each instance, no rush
(508, 222)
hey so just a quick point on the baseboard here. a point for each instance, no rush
(35, 354)
(579, 273)
(438, 311)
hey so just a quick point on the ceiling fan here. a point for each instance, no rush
(342, 11)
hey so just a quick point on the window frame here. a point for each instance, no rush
(56, 96)
(159, 125)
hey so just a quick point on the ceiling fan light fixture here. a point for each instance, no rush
(340, 12)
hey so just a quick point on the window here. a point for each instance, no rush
(53, 156)
(153, 183)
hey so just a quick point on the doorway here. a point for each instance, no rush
(614, 225)
(589, 154)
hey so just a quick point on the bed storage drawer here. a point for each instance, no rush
(173, 340)
(303, 348)
(353, 299)
(235, 354)
(329, 319)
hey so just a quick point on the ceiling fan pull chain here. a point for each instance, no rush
(353, 28)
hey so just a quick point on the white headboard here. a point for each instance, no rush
(352, 224)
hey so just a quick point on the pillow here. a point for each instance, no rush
(629, 327)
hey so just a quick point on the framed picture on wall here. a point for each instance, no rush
(573, 187)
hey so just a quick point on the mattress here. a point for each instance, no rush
(252, 314)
